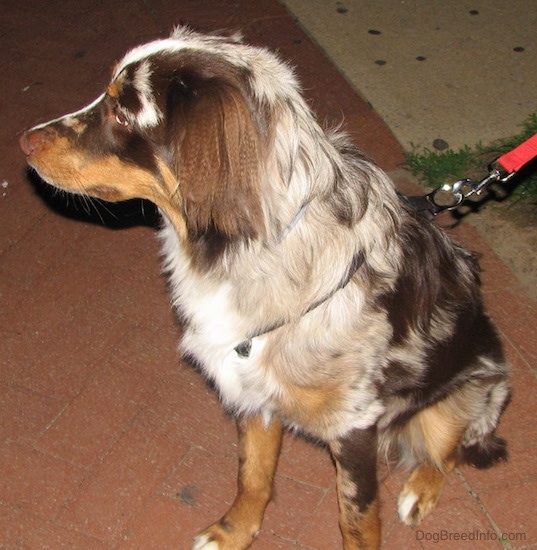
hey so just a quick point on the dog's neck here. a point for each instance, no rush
(243, 349)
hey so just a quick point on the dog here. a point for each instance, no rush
(312, 296)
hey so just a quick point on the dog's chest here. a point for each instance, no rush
(269, 380)
(213, 328)
(260, 384)
(243, 383)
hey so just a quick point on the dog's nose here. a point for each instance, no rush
(30, 141)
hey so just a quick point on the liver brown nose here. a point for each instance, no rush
(31, 141)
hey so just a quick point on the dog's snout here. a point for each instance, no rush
(31, 141)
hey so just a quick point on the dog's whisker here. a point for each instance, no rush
(98, 204)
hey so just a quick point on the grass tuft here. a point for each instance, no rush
(434, 168)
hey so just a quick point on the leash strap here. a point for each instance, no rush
(514, 160)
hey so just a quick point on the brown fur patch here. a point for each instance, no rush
(357, 488)
(218, 163)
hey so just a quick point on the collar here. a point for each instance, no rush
(243, 349)
(293, 223)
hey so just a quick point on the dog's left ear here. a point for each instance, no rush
(218, 160)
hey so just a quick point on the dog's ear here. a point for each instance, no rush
(218, 159)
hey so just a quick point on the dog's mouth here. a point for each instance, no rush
(59, 165)
(105, 192)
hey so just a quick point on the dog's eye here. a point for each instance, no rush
(121, 119)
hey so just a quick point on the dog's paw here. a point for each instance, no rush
(204, 542)
(408, 508)
(419, 495)
(413, 507)
(223, 536)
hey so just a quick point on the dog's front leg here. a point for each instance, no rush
(259, 447)
(356, 463)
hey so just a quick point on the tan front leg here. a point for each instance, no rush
(259, 448)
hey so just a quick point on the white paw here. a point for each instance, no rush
(406, 507)
(202, 542)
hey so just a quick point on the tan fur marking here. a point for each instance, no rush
(107, 178)
(172, 205)
(75, 124)
(259, 448)
(104, 177)
(442, 430)
(114, 89)
(314, 400)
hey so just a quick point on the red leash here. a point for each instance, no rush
(519, 156)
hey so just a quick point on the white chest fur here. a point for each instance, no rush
(213, 329)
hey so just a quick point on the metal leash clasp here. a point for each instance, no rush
(451, 195)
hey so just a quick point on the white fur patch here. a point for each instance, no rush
(149, 116)
(272, 79)
(213, 331)
(405, 505)
(202, 542)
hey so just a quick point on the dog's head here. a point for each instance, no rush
(184, 123)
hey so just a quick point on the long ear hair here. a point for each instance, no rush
(217, 160)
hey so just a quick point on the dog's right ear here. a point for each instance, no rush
(217, 155)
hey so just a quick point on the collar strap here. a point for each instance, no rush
(295, 220)
(244, 348)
